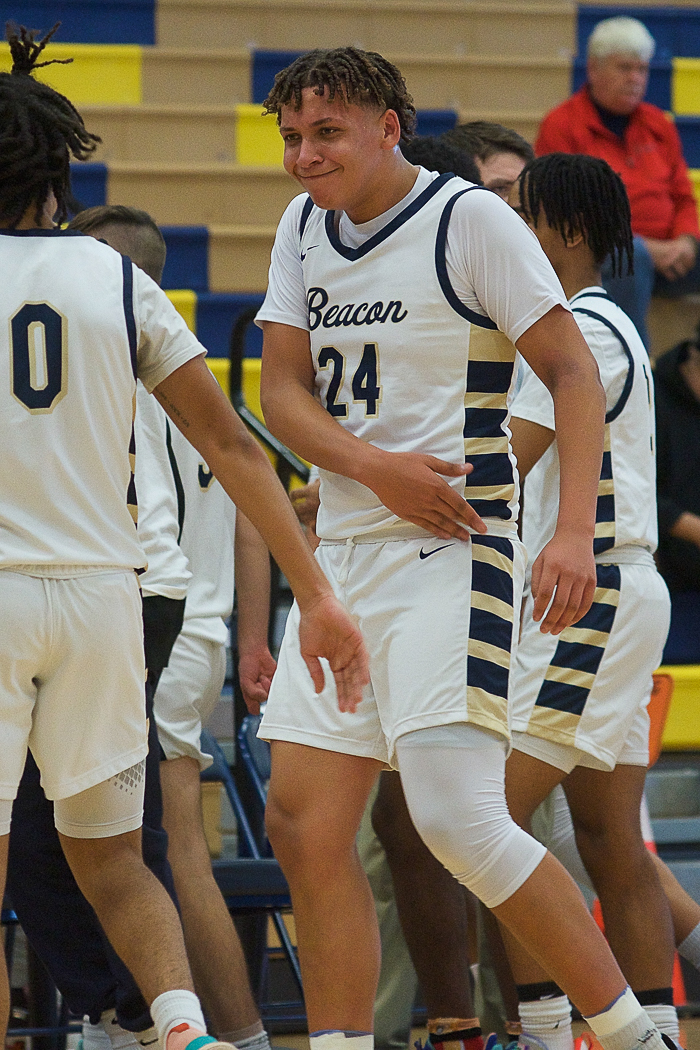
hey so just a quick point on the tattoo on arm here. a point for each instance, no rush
(172, 409)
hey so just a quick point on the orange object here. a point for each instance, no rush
(659, 704)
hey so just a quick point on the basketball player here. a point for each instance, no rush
(381, 279)
(580, 699)
(82, 324)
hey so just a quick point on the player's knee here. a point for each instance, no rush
(305, 841)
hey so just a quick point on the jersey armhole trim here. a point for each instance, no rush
(177, 480)
(128, 296)
(627, 388)
(305, 212)
(441, 266)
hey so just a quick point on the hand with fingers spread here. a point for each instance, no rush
(565, 569)
(326, 630)
(410, 485)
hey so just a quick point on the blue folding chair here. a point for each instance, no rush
(253, 883)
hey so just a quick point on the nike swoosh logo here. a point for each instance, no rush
(426, 554)
(304, 254)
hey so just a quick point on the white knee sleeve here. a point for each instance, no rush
(453, 778)
(111, 808)
(552, 825)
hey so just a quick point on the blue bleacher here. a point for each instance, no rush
(676, 30)
(89, 184)
(689, 131)
(658, 91)
(186, 264)
(435, 121)
(216, 315)
(89, 21)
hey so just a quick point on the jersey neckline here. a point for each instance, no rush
(55, 232)
(408, 212)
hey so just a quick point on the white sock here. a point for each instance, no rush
(95, 1036)
(665, 1018)
(690, 948)
(624, 1025)
(121, 1038)
(254, 1037)
(549, 1021)
(177, 1007)
(341, 1041)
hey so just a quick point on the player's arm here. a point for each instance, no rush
(196, 404)
(409, 484)
(256, 665)
(557, 352)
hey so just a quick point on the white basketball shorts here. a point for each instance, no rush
(187, 693)
(71, 679)
(437, 618)
(587, 690)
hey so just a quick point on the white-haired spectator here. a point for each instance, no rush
(608, 118)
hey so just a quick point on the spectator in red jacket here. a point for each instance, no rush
(608, 118)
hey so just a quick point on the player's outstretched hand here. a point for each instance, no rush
(410, 485)
(255, 671)
(565, 569)
(326, 630)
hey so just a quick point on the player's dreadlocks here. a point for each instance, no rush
(581, 194)
(39, 131)
(362, 77)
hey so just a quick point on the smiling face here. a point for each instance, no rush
(618, 83)
(345, 155)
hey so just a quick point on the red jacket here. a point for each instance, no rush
(649, 161)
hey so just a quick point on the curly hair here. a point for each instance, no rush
(40, 130)
(581, 194)
(360, 77)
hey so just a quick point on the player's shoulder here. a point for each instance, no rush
(602, 320)
(297, 214)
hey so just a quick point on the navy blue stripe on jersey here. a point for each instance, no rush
(629, 379)
(561, 696)
(177, 480)
(579, 656)
(305, 212)
(487, 627)
(484, 422)
(605, 509)
(493, 468)
(567, 684)
(606, 467)
(386, 231)
(489, 377)
(487, 578)
(486, 675)
(490, 634)
(128, 291)
(441, 266)
(490, 508)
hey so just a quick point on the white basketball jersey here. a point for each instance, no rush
(207, 538)
(402, 363)
(77, 324)
(626, 508)
(160, 504)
